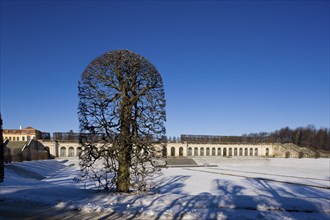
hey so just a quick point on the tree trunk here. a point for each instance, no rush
(124, 162)
(125, 146)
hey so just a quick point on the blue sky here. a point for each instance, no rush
(229, 67)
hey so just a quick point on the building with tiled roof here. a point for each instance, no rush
(25, 134)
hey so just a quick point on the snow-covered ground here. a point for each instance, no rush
(239, 188)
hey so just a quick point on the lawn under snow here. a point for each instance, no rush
(239, 188)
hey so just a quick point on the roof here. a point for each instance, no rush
(29, 128)
(16, 144)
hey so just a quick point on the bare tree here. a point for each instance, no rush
(121, 115)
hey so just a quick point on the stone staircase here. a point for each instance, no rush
(180, 161)
(305, 150)
(23, 172)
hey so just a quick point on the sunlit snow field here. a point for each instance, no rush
(238, 188)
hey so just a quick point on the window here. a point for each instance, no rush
(71, 152)
(172, 151)
(195, 151)
(219, 151)
(230, 152)
(256, 152)
(267, 152)
(202, 151)
(224, 152)
(63, 152)
(207, 151)
(235, 151)
(213, 151)
(241, 151)
(78, 151)
(181, 151)
(164, 151)
(23, 138)
(251, 151)
(189, 151)
(246, 152)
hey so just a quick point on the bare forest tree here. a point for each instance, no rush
(121, 115)
(2, 154)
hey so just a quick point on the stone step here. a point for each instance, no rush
(180, 161)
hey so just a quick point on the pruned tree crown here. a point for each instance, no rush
(122, 108)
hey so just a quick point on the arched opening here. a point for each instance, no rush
(235, 151)
(246, 152)
(201, 151)
(71, 152)
(195, 151)
(267, 152)
(213, 151)
(301, 154)
(207, 151)
(230, 152)
(180, 151)
(219, 151)
(189, 151)
(224, 153)
(241, 151)
(256, 152)
(287, 154)
(251, 151)
(78, 152)
(63, 152)
(172, 151)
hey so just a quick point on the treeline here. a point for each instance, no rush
(317, 139)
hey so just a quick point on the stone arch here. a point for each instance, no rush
(219, 151)
(235, 151)
(201, 151)
(224, 153)
(180, 151)
(241, 151)
(251, 151)
(256, 152)
(172, 151)
(213, 151)
(246, 152)
(230, 152)
(189, 151)
(196, 151)
(62, 152)
(207, 151)
(267, 152)
(287, 154)
(71, 152)
(78, 151)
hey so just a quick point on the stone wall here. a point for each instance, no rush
(72, 149)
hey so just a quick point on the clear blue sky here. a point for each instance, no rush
(229, 67)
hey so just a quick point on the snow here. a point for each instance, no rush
(239, 188)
